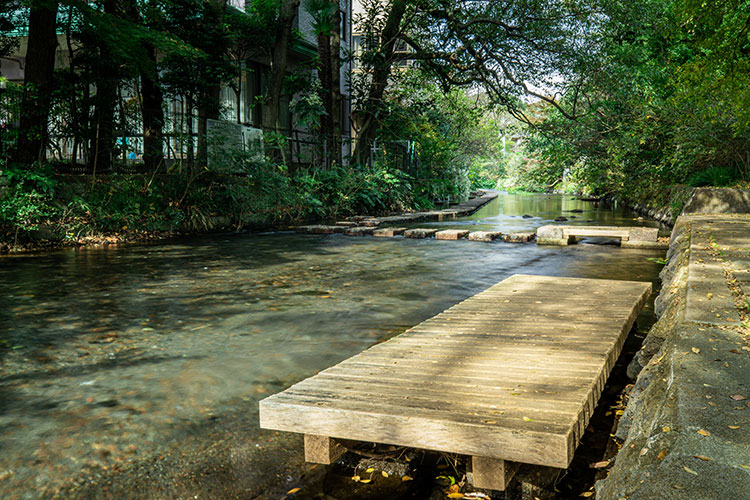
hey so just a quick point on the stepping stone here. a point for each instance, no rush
(358, 231)
(518, 237)
(451, 234)
(346, 223)
(420, 233)
(484, 235)
(388, 232)
(319, 229)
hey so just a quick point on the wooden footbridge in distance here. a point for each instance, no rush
(510, 375)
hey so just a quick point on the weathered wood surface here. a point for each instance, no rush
(513, 373)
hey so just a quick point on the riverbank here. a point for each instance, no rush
(684, 429)
(42, 211)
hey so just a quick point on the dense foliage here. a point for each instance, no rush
(666, 102)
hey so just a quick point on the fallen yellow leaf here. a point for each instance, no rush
(370, 470)
(662, 455)
(407, 478)
(704, 432)
(384, 473)
(587, 494)
(355, 478)
(703, 457)
(292, 491)
(738, 397)
(688, 470)
(527, 419)
(666, 428)
(365, 481)
(455, 495)
(696, 350)
(734, 427)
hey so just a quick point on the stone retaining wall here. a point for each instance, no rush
(686, 428)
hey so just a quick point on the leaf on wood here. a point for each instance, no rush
(704, 458)
(709, 295)
(292, 491)
(733, 427)
(704, 432)
(696, 350)
(666, 428)
(527, 419)
(689, 470)
(643, 451)
(738, 397)
(662, 455)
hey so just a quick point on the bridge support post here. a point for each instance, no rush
(492, 473)
(322, 449)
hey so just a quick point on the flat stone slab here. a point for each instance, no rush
(452, 234)
(388, 232)
(484, 235)
(420, 233)
(346, 223)
(563, 235)
(320, 229)
(709, 299)
(655, 245)
(518, 237)
(359, 231)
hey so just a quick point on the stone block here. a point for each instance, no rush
(388, 232)
(519, 237)
(320, 229)
(644, 234)
(420, 233)
(484, 235)
(359, 231)
(451, 234)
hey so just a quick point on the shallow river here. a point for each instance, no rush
(118, 355)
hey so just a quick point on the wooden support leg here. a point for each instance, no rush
(322, 449)
(492, 473)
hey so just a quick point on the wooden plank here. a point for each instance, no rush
(322, 449)
(513, 373)
(492, 473)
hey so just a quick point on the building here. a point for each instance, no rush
(241, 101)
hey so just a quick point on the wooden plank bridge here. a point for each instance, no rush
(509, 375)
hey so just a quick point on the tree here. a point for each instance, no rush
(327, 24)
(40, 66)
(283, 38)
(511, 48)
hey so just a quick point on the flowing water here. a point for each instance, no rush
(117, 355)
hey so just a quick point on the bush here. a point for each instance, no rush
(713, 176)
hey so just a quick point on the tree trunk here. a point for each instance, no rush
(279, 57)
(153, 114)
(40, 67)
(105, 102)
(334, 55)
(367, 119)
